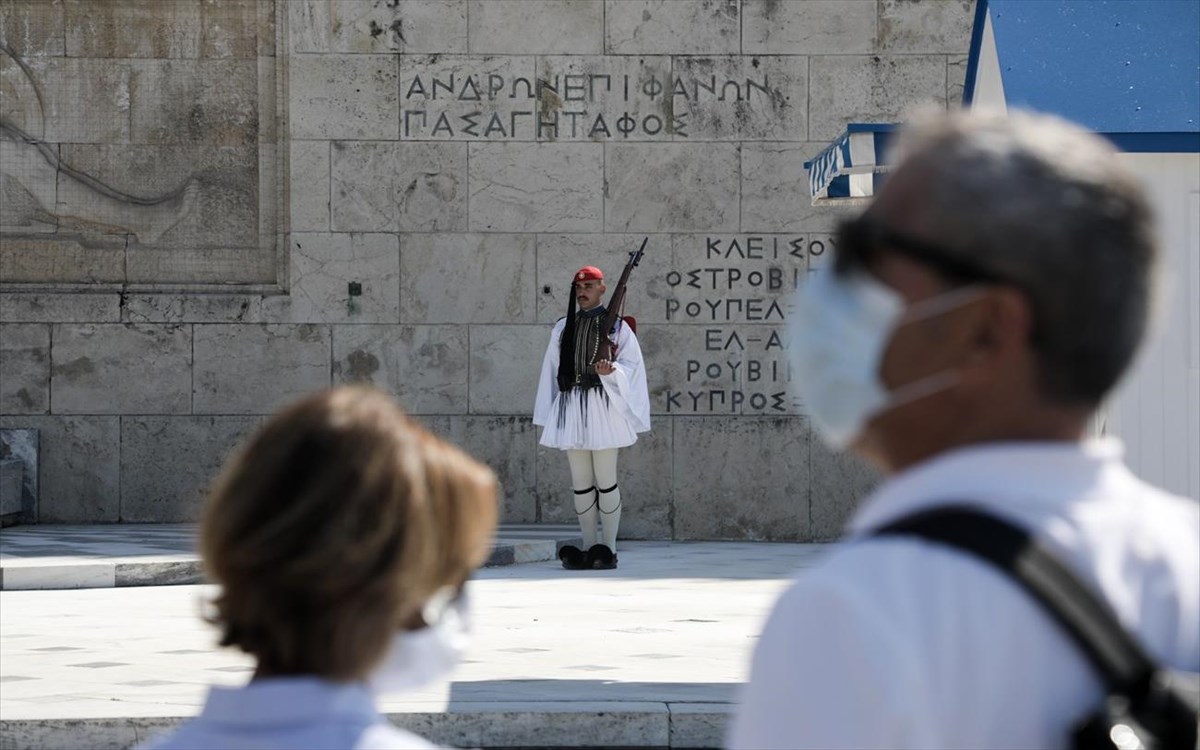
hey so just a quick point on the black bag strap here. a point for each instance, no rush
(1121, 662)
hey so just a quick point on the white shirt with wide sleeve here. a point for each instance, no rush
(611, 423)
(901, 643)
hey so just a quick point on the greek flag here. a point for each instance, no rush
(848, 170)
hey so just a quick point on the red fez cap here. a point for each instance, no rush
(589, 273)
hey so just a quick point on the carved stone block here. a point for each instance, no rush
(508, 446)
(253, 369)
(467, 278)
(24, 368)
(540, 27)
(79, 468)
(133, 28)
(85, 101)
(345, 278)
(741, 98)
(922, 28)
(59, 308)
(406, 187)
(344, 96)
(468, 98)
(671, 187)
(19, 445)
(241, 29)
(718, 370)
(309, 25)
(667, 351)
(505, 362)
(736, 279)
(602, 98)
(775, 191)
(168, 464)
(813, 27)
(956, 77)
(851, 88)
(840, 483)
(425, 367)
(406, 26)
(28, 183)
(149, 266)
(43, 260)
(209, 196)
(192, 308)
(741, 478)
(92, 369)
(194, 101)
(310, 186)
(647, 490)
(32, 28)
(681, 27)
(526, 187)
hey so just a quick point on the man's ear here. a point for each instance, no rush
(1004, 328)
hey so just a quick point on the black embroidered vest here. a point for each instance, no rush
(587, 347)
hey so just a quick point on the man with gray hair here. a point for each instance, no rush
(974, 319)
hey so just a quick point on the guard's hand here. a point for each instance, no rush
(604, 367)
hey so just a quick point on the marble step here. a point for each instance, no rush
(108, 555)
(515, 724)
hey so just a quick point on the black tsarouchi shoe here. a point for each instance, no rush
(600, 557)
(573, 558)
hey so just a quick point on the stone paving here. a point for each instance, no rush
(648, 655)
(108, 555)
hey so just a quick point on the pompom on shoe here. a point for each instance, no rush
(572, 558)
(600, 557)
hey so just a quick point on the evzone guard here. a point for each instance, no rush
(591, 402)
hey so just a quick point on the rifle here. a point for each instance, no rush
(612, 315)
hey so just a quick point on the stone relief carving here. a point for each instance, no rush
(97, 206)
(138, 149)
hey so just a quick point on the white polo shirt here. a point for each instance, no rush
(900, 643)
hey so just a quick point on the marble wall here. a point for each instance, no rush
(442, 166)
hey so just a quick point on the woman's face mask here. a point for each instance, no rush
(418, 658)
(840, 331)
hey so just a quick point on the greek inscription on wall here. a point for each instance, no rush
(599, 98)
(728, 308)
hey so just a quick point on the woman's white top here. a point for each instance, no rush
(289, 713)
(591, 420)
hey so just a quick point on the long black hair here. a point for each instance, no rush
(566, 352)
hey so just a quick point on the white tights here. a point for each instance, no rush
(594, 478)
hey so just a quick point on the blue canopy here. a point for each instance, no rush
(1127, 69)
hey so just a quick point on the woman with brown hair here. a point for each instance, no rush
(341, 536)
